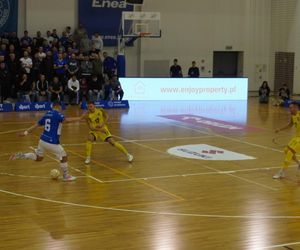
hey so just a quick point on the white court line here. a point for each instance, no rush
(205, 166)
(214, 216)
(31, 176)
(11, 131)
(143, 140)
(77, 170)
(194, 174)
(281, 245)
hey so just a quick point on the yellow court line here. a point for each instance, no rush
(129, 176)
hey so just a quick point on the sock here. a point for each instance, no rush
(64, 168)
(89, 146)
(121, 148)
(30, 156)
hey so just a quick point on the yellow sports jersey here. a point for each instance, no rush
(96, 118)
(296, 122)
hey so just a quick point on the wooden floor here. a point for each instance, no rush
(160, 201)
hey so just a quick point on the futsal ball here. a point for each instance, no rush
(54, 174)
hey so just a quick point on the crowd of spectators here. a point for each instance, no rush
(69, 67)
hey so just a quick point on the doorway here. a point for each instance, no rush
(228, 64)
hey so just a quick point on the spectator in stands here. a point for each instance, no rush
(68, 32)
(26, 63)
(73, 66)
(3, 49)
(60, 67)
(117, 91)
(264, 92)
(26, 40)
(175, 69)
(97, 66)
(42, 88)
(85, 44)
(79, 33)
(107, 89)
(14, 40)
(194, 71)
(49, 66)
(56, 90)
(73, 89)
(13, 66)
(39, 39)
(5, 83)
(109, 65)
(64, 40)
(83, 89)
(38, 67)
(23, 88)
(48, 37)
(95, 88)
(12, 50)
(54, 34)
(97, 42)
(284, 93)
(86, 67)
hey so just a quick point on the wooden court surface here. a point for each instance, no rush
(160, 201)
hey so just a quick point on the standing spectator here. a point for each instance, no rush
(97, 66)
(48, 37)
(117, 91)
(83, 89)
(194, 71)
(26, 63)
(95, 88)
(23, 88)
(85, 44)
(73, 89)
(175, 69)
(38, 67)
(109, 65)
(107, 89)
(14, 70)
(26, 40)
(42, 87)
(97, 42)
(54, 34)
(60, 67)
(14, 40)
(39, 39)
(5, 84)
(56, 90)
(49, 66)
(3, 50)
(68, 32)
(264, 92)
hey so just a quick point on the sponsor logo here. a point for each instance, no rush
(113, 4)
(23, 107)
(110, 104)
(40, 106)
(213, 124)
(4, 12)
(207, 152)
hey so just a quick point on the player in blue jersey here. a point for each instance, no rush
(49, 140)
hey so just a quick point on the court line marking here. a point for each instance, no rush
(11, 131)
(129, 176)
(196, 174)
(77, 170)
(31, 176)
(214, 216)
(281, 245)
(203, 165)
(142, 140)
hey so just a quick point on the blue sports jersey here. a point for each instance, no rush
(52, 122)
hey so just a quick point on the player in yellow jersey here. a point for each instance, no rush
(294, 145)
(97, 121)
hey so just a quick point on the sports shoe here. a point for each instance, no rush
(15, 156)
(279, 175)
(69, 178)
(87, 160)
(130, 157)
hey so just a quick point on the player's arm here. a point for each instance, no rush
(74, 119)
(29, 130)
(289, 125)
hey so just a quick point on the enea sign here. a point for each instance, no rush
(207, 152)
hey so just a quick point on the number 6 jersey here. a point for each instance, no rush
(52, 122)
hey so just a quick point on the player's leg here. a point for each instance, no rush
(37, 155)
(120, 147)
(290, 154)
(89, 146)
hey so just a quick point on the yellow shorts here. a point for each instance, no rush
(101, 135)
(294, 144)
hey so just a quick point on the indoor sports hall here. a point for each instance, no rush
(215, 155)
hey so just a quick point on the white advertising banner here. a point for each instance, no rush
(183, 89)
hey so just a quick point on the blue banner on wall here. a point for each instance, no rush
(8, 16)
(6, 107)
(104, 17)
